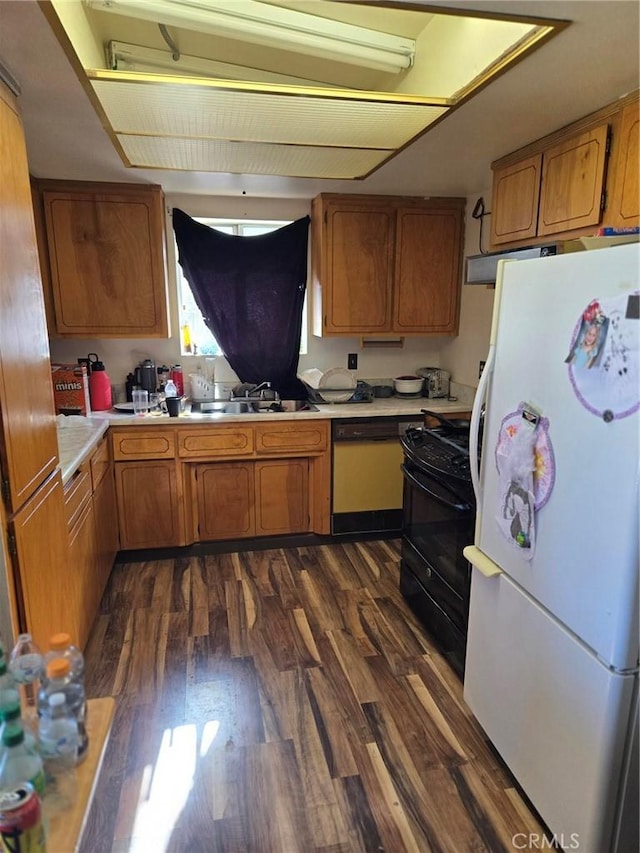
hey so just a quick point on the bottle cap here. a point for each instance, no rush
(60, 641)
(9, 712)
(58, 668)
(13, 735)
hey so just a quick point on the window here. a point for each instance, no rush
(195, 337)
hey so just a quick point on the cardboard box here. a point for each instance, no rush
(70, 389)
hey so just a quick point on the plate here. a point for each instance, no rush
(123, 407)
(337, 377)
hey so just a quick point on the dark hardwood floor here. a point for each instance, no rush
(286, 700)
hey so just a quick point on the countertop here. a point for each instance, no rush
(78, 436)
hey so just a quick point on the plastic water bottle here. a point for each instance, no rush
(19, 763)
(9, 693)
(10, 716)
(25, 665)
(58, 736)
(170, 389)
(60, 680)
(60, 646)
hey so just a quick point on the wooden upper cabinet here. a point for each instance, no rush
(106, 251)
(623, 208)
(354, 240)
(28, 440)
(385, 265)
(427, 270)
(516, 194)
(573, 182)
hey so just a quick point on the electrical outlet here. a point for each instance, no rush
(481, 368)
(352, 361)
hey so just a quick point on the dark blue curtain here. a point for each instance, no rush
(250, 291)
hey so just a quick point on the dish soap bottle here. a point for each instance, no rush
(99, 385)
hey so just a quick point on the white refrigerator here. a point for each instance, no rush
(553, 644)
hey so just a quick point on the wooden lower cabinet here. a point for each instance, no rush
(42, 567)
(237, 500)
(82, 590)
(282, 490)
(150, 510)
(106, 515)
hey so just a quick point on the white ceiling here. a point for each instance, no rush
(586, 66)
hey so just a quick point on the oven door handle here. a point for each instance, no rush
(459, 507)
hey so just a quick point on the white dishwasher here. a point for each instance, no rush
(367, 477)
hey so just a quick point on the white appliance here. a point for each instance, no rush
(552, 652)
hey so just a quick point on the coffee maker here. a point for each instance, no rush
(146, 376)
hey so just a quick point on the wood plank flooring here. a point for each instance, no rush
(282, 701)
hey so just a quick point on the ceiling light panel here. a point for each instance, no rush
(274, 26)
(188, 109)
(200, 155)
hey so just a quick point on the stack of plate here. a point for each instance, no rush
(335, 385)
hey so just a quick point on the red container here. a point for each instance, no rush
(21, 826)
(99, 386)
(178, 380)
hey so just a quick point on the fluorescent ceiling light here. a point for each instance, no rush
(133, 57)
(273, 26)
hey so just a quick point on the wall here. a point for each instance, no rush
(458, 355)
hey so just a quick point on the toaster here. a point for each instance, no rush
(436, 381)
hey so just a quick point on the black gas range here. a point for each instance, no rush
(438, 522)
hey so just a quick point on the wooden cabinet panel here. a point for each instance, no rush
(358, 266)
(106, 520)
(516, 194)
(44, 570)
(291, 437)
(77, 492)
(386, 265)
(282, 497)
(427, 271)
(100, 463)
(106, 255)
(573, 182)
(82, 552)
(226, 500)
(143, 444)
(623, 209)
(28, 443)
(150, 509)
(225, 441)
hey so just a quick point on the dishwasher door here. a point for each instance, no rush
(367, 475)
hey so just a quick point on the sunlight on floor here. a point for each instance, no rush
(165, 787)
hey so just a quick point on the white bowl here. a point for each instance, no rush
(408, 384)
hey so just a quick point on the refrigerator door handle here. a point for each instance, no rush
(474, 428)
(481, 562)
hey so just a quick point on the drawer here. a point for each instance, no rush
(292, 437)
(143, 444)
(226, 441)
(100, 462)
(77, 492)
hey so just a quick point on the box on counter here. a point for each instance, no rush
(70, 389)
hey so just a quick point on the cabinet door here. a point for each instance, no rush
(106, 513)
(226, 499)
(282, 496)
(44, 570)
(427, 271)
(356, 267)
(624, 202)
(150, 508)
(28, 440)
(107, 262)
(82, 561)
(515, 198)
(573, 182)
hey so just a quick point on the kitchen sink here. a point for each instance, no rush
(253, 407)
